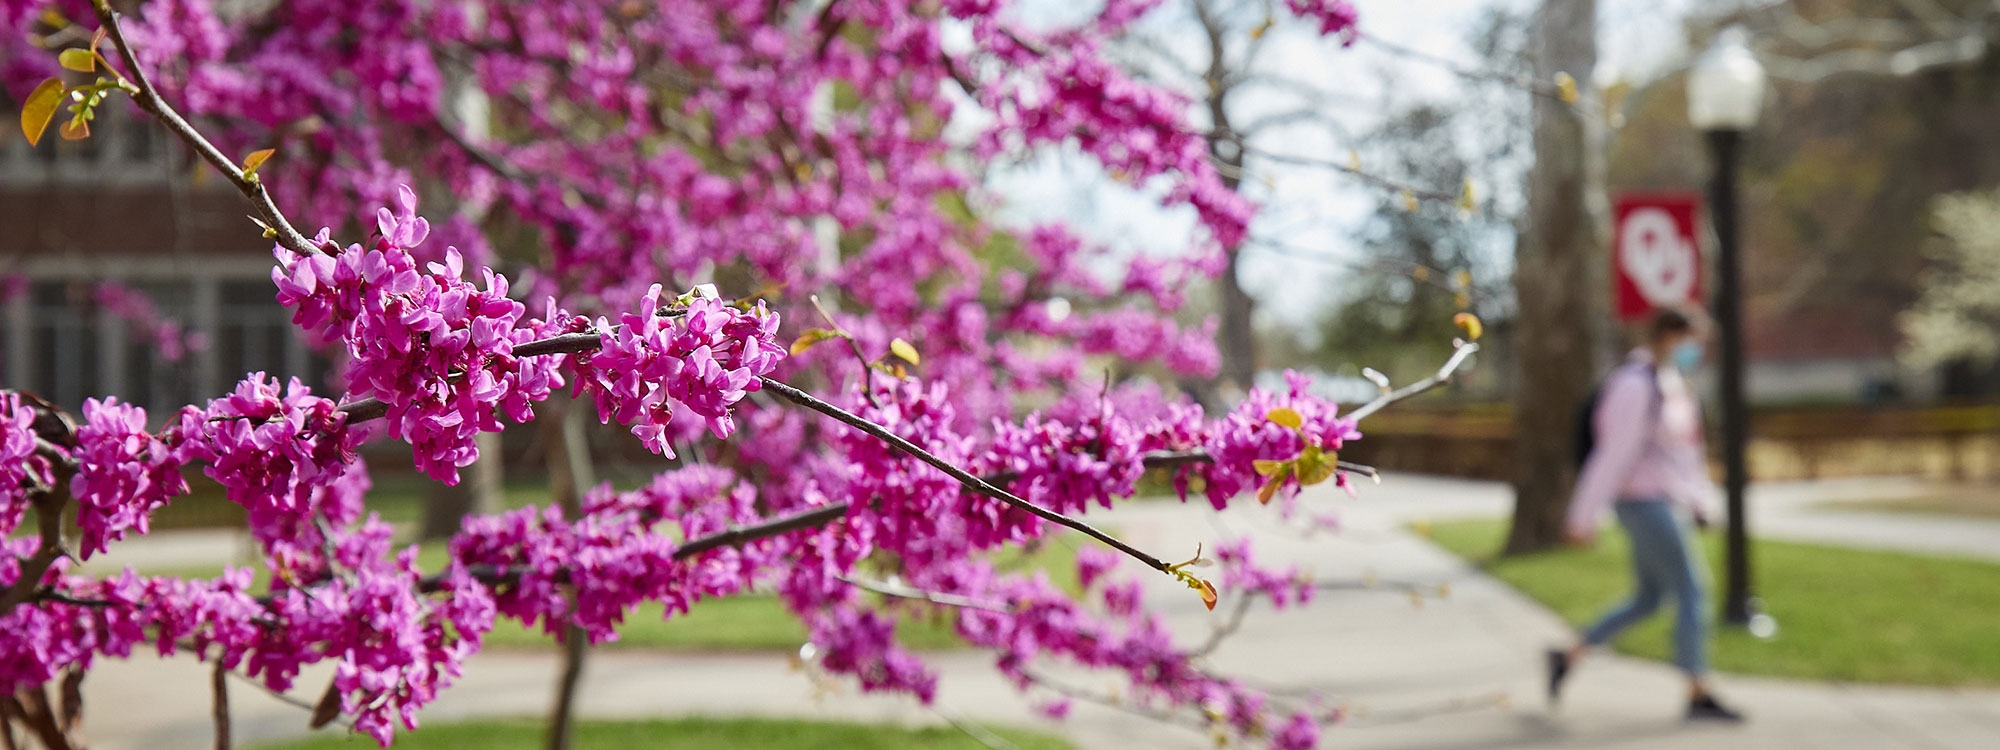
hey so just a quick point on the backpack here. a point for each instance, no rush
(1585, 428)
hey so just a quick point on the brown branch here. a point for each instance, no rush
(7, 739)
(741, 535)
(867, 375)
(71, 708)
(218, 685)
(31, 704)
(48, 517)
(149, 99)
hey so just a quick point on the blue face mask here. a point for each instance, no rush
(1687, 356)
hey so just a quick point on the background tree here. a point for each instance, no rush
(1558, 270)
(1425, 261)
(1957, 318)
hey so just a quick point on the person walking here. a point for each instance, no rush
(1648, 465)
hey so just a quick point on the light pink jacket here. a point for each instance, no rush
(1643, 452)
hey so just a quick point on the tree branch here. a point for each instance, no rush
(904, 592)
(218, 685)
(964, 477)
(1441, 377)
(149, 99)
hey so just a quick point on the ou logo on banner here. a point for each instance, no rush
(1658, 263)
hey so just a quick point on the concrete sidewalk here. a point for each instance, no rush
(1458, 672)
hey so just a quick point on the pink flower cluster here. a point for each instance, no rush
(123, 474)
(20, 468)
(1336, 17)
(434, 347)
(696, 352)
(592, 570)
(275, 451)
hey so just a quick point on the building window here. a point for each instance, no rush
(62, 343)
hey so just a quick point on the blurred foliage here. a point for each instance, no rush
(1957, 317)
(1840, 179)
(1427, 261)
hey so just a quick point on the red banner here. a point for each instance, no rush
(1656, 261)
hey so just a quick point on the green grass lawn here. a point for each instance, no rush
(685, 734)
(1843, 614)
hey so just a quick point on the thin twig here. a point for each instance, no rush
(964, 477)
(1469, 73)
(149, 99)
(979, 734)
(741, 535)
(867, 375)
(904, 592)
(1348, 169)
(1441, 377)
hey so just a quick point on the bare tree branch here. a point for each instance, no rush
(149, 99)
(964, 477)
(899, 591)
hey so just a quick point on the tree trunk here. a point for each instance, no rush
(1236, 339)
(478, 491)
(1559, 278)
(570, 475)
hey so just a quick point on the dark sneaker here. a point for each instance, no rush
(1706, 709)
(1558, 670)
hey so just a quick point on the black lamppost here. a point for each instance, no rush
(1725, 95)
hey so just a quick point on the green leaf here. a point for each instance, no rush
(256, 159)
(40, 109)
(811, 338)
(1285, 416)
(1270, 468)
(1315, 466)
(79, 60)
(903, 350)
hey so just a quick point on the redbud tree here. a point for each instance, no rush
(693, 178)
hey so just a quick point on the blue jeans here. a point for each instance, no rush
(1663, 566)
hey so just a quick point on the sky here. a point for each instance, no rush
(1315, 213)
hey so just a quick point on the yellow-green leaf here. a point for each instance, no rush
(78, 128)
(1566, 88)
(1270, 489)
(79, 60)
(1269, 468)
(1469, 322)
(1285, 416)
(810, 338)
(905, 351)
(256, 159)
(40, 109)
(1315, 466)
